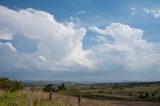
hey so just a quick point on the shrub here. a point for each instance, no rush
(110, 92)
(62, 87)
(143, 95)
(92, 87)
(146, 94)
(153, 94)
(9, 85)
(130, 94)
(47, 88)
(54, 87)
(100, 91)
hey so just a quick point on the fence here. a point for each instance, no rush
(51, 93)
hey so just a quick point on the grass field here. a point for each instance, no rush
(136, 93)
(40, 98)
(92, 95)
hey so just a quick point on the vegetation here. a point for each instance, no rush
(40, 98)
(24, 99)
(62, 87)
(12, 99)
(47, 88)
(9, 85)
(52, 87)
(147, 94)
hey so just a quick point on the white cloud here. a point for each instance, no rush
(56, 41)
(120, 33)
(41, 58)
(95, 29)
(8, 56)
(7, 46)
(5, 33)
(133, 11)
(154, 12)
(60, 46)
(127, 52)
(75, 20)
(81, 12)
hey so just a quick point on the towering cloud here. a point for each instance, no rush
(55, 41)
(128, 50)
(60, 46)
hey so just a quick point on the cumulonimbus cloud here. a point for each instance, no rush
(56, 42)
(129, 51)
(60, 46)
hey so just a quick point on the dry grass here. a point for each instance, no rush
(40, 98)
(64, 100)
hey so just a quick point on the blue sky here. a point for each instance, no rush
(80, 39)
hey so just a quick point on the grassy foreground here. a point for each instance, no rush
(22, 99)
(40, 98)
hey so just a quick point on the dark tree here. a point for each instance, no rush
(47, 88)
(62, 87)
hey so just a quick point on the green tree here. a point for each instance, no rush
(9, 85)
(47, 88)
(62, 87)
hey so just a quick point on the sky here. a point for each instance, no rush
(80, 40)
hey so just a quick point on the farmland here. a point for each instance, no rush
(91, 95)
